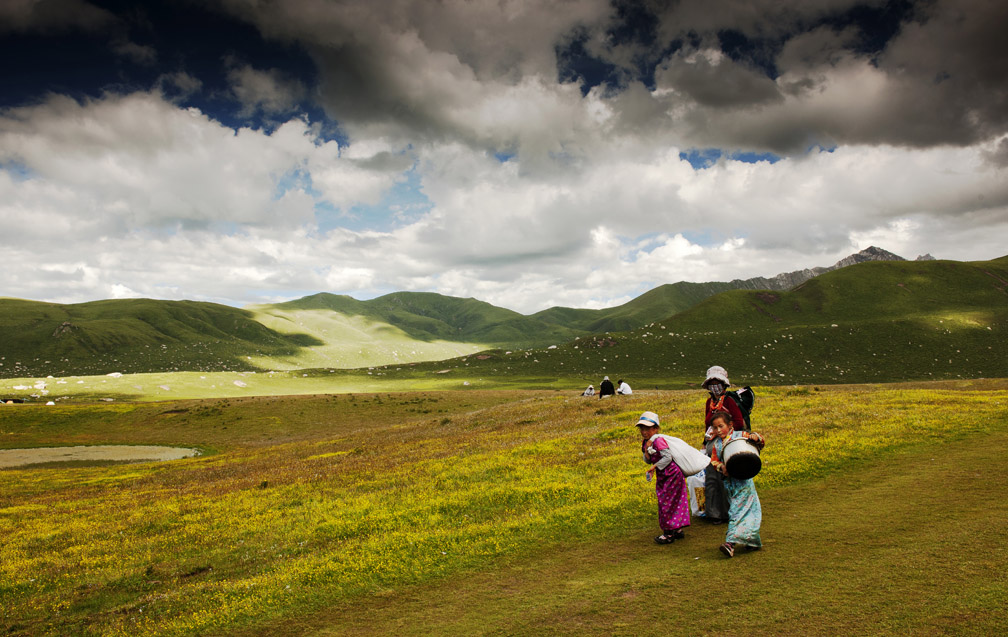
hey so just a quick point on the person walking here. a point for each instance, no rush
(716, 383)
(670, 483)
(745, 515)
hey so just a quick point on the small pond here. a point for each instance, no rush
(96, 453)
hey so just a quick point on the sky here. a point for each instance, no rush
(525, 153)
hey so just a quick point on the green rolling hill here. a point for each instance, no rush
(867, 292)
(656, 304)
(426, 316)
(666, 300)
(873, 321)
(322, 330)
(133, 335)
(433, 318)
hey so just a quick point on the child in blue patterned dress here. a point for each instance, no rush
(744, 512)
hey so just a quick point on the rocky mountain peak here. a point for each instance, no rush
(789, 280)
(871, 253)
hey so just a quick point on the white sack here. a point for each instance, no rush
(690, 459)
(697, 495)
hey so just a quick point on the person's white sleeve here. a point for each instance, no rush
(666, 458)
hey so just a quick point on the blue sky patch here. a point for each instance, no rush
(17, 170)
(754, 158)
(401, 205)
(700, 158)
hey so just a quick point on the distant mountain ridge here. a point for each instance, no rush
(672, 298)
(428, 316)
(788, 280)
(324, 330)
(883, 321)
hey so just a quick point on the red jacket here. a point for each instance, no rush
(726, 404)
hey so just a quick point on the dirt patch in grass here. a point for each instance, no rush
(91, 454)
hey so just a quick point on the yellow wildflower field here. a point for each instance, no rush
(341, 507)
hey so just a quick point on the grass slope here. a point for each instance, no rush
(872, 322)
(833, 563)
(666, 300)
(349, 340)
(876, 321)
(656, 304)
(427, 317)
(501, 513)
(865, 292)
(133, 335)
(881, 303)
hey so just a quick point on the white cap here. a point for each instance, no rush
(716, 373)
(648, 419)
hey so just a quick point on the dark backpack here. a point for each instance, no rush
(745, 399)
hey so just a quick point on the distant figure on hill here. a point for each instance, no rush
(590, 391)
(623, 389)
(606, 388)
(716, 383)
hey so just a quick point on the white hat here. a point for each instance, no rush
(716, 373)
(648, 419)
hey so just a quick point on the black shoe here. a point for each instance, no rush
(664, 539)
(678, 534)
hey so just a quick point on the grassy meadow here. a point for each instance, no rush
(503, 512)
(479, 494)
(189, 385)
(348, 341)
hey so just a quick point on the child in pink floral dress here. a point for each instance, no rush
(670, 484)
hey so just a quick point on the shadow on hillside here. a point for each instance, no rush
(304, 340)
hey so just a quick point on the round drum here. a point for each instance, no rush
(741, 458)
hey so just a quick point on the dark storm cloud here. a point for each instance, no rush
(955, 58)
(749, 75)
(268, 91)
(999, 156)
(724, 84)
(52, 16)
(911, 74)
(356, 88)
(424, 72)
(526, 152)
